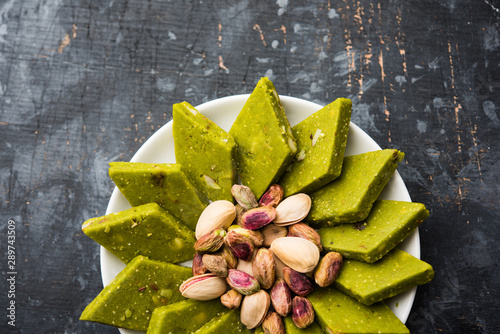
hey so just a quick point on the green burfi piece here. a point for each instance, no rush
(338, 313)
(394, 273)
(290, 327)
(184, 317)
(388, 223)
(266, 145)
(321, 140)
(227, 323)
(350, 197)
(143, 230)
(206, 152)
(259, 330)
(130, 298)
(164, 184)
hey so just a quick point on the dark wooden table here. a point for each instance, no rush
(83, 83)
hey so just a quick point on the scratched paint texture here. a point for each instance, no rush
(83, 83)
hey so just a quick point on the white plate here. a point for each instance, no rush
(159, 148)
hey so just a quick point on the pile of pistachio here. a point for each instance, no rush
(267, 257)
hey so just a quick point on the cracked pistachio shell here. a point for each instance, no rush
(218, 214)
(297, 253)
(245, 266)
(203, 287)
(239, 213)
(254, 309)
(279, 266)
(293, 209)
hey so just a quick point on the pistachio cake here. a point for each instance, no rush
(227, 322)
(387, 225)
(205, 151)
(143, 230)
(350, 197)
(164, 184)
(337, 312)
(291, 328)
(184, 317)
(396, 272)
(266, 145)
(321, 141)
(129, 299)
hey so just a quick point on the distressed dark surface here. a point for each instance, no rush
(83, 83)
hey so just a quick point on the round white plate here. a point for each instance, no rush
(159, 148)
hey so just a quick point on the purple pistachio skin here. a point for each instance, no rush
(259, 217)
(198, 268)
(242, 282)
(302, 312)
(328, 269)
(240, 245)
(281, 297)
(273, 196)
(299, 283)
